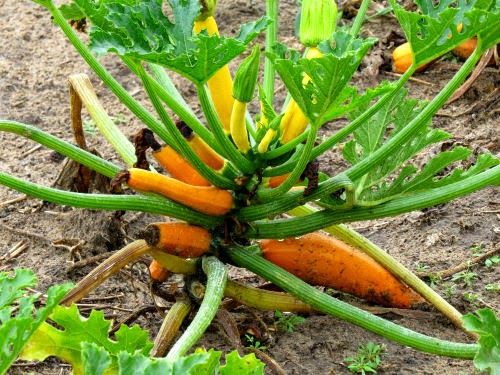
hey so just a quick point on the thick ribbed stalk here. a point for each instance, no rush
(151, 204)
(110, 266)
(249, 259)
(170, 326)
(106, 77)
(264, 299)
(293, 199)
(271, 37)
(181, 144)
(92, 161)
(360, 18)
(282, 228)
(216, 283)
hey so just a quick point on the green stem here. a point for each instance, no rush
(216, 283)
(181, 144)
(325, 303)
(152, 204)
(107, 78)
(348, 235)
(292, 199)
(360, 18)
(343, 133)
(283, 228)
(270, 194)
(231, 152)
(177, 104)
(271, 37)
(92, 161)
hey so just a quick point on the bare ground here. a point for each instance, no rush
(35, 61)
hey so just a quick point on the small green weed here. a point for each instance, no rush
(287, 322)
(449, 289)
(253, 343)
(466, 276)
(492, 261)
(435, 279)
(492, 287)
(368, 358)
(477, 250)
(419, 267)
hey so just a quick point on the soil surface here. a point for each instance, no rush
(35, 62)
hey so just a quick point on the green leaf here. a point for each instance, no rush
(71, 12)
(248, 365)
(16, 330)
(329, 74)
(15, 287)
(140, 29)
(375, 186)
(433, 32)
(95, 359)
(487, 325)
(66, 343)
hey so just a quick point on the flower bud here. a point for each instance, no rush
(245, 78)
(318, 19)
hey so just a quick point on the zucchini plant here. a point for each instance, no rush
(234, 173)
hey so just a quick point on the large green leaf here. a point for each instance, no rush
(139, 29)
(487, 325)
(66, 343)
(329, 75)
(393, 177)
(17, 326)
(435, 30)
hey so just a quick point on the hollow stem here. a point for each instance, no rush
(264, 299)
(170, 326)
(92, 161)
(282, 228)
(216, 282)
(110, 266)
(244, 257)
(151, 203)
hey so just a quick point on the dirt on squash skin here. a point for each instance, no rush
(35, 61)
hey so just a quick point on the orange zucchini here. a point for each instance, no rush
(323, 260)
(180, 239)
(178, 167)
(209, 200)
(402, 58)
(205, 153)
(157, 271)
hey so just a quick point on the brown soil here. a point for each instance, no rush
(35, 61)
